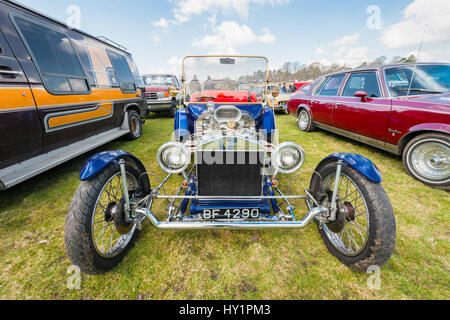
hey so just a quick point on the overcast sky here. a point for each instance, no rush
(159, 33)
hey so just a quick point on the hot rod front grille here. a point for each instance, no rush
(230, 173)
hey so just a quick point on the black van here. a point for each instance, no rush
(62, 93)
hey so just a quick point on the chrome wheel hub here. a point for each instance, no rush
(108, 241)
(303, 120)
(432, 160)
(352, 238)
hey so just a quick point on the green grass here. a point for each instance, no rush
(224, 264)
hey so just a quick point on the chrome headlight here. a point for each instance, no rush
(227, 113)
(173, 157)
(288, 157)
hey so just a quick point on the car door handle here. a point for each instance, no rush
(339, 104)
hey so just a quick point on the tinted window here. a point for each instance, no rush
(54, 55)
(366, 81)
(123, 72)
(102, 67)
(423, 79)
(332, 85)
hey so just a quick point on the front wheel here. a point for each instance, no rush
(427, 158)
(96, 235)
(135, 124)
(364, 232)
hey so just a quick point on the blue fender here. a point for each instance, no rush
(181, 125)
(100, 161)
(357, 162)
(269, 123)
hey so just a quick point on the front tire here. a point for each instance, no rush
(93, 242)
(304, 121)
(427, 159)
(135, 124)
(364, 232)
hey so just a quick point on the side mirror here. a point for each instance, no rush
(173, 92)
(362, 95)
(275, 92)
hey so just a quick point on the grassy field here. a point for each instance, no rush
(224, 264)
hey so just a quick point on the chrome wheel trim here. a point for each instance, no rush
(431, 160)
(353, 239)
(102, 229)
(303, 120)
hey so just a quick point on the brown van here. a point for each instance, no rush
(62, 93)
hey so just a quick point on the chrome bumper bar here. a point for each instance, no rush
(230, 225)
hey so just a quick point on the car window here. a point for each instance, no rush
(55, 57)
(305, 89)
(420, 79)
(102, 67)
(365, 81)
(158, 80)
(124, 74)
(332, 85)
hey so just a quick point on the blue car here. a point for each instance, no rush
(227, 157)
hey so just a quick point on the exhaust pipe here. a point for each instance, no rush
(232, 225)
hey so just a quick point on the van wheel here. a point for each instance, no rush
(427, 158)
(135, 123)
(173, 109)
(305, 122)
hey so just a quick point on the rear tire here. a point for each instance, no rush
(86, 219)
(427, 159)
(135, 124)
(372, 233)
(304, 121)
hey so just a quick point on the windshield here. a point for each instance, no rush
(224, 79)
(158, 80)
(282, 91)
(426, 79)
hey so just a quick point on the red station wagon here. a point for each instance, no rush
(403, 109)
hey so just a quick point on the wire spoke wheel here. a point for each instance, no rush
(353, 237)
(107, 241)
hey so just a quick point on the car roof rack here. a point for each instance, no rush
(105, 39)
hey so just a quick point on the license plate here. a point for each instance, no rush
(211, 214)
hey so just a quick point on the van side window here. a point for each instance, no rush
(55, 58)
(123, 72)
(136, 75)
(102, 67)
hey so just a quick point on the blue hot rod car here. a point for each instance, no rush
(225, 149)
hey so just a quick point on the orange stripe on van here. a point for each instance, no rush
(104, 110)
(14, 99)
(45, 99)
